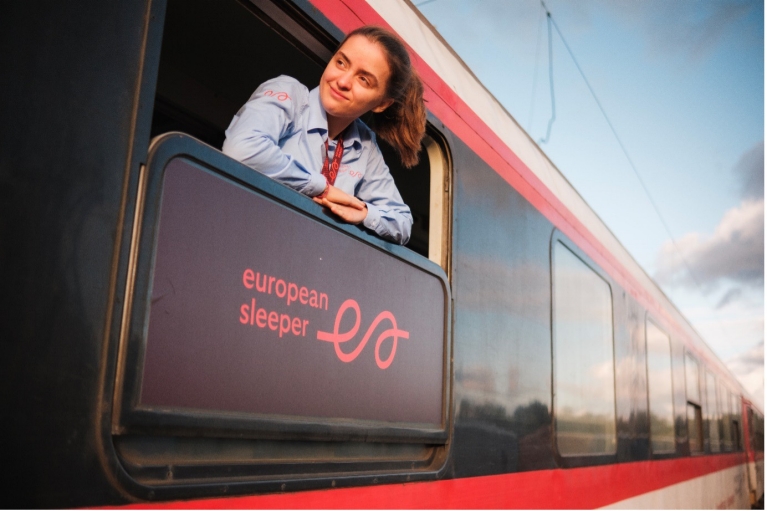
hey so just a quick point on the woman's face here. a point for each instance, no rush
(354, 82)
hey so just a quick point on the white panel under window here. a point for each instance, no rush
(661, 390)
(584, 379)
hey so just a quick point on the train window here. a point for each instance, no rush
(584, 379)
(661, 396)
(425, 189)
(694, 410)
(735, 418)
(208, 70)
(693, 380)
(756, 423)
(712, 418)
(695, 427)
(725, 422)
(240, 374)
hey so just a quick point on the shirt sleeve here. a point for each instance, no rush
(254, 135)
(388, 216)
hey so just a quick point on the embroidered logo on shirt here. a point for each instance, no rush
(352, 173)
(280, 96)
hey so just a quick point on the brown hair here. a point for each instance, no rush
(403, 124)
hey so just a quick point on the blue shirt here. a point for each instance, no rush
(281, 132)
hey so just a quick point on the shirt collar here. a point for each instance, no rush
(318, 120)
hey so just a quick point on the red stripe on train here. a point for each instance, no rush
(444, 103)
(562, 488)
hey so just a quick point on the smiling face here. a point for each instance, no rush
(354, 83)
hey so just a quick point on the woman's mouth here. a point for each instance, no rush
(336, 94)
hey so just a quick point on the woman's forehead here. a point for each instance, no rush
(367, 54)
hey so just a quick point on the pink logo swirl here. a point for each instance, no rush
(337, 338)
(281, 96)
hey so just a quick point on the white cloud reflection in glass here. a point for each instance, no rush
(584, 377)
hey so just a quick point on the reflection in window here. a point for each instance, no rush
(691, 371)
(695, 427)
(660, 389)
(735, 419)
(726, 424)
(713, 412)
(694, 412)
(584, 392)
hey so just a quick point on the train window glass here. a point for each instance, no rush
(693, 380)
(660, 385)
(704, 409)
(713, 412)
(694, 411)
(725, 423)
(214, 56)
(695, 427)
(735, 418)
(584, 402)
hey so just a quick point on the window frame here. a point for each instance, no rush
(713, 418)
(671, 453)
(580, 460)
(695, 405)
(313, 29)
(130, 416)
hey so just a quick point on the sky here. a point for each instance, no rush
(682, 84)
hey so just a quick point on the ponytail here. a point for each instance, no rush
(403, 124)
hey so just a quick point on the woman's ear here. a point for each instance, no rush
(383, 105)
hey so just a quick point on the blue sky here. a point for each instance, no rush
(683, 85)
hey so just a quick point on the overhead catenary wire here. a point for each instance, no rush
(654, 205)
(553, 117)
(535, 79)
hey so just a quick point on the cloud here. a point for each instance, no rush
(729, 297)
(748, 360)
(750, 172)
(735, 252)
(749, 369)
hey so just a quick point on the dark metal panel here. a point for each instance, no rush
(71, 72)
(502, 338)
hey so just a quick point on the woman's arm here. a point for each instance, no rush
(387, 215)
(254, 134)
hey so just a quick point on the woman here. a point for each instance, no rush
(314, 141)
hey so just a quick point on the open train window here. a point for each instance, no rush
(582, 345)
(237, 378)
(216, 52)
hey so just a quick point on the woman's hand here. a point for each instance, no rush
(350, 209)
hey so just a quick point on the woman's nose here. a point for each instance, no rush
(345, 80)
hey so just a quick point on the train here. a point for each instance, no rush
(182, 331)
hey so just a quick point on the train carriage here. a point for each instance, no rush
(187, 332)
